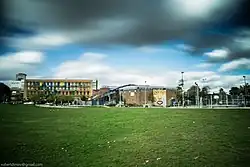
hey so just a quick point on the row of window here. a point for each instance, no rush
(56, 88)
(61, 93)
(59, 84)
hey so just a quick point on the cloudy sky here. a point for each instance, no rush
(127, 41)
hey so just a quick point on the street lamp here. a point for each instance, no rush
(202, 81)
(245, 90)
(182, 83)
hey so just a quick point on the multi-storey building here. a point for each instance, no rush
(67, 87)
(16, 86)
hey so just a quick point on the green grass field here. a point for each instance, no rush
(123, 137)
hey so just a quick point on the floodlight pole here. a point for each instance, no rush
(245, 90)
(197, 96)
(203, 81)
(182, 83)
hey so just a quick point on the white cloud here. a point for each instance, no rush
(24, 61)
(204, 65)
(218, 54)
(85, 67)
(242, 63)
(38, 41)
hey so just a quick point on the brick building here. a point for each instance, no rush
(139, 95)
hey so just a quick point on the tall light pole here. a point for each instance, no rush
(145, 103)
(182, 84)
(245, 90)
(197, 94)
(202, 81)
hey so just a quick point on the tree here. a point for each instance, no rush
(234, 91)
(51, 98)
(69, 99)
(60, 99)
(35, 98)
(204, 94)
(222, 95)
(192, 93)
(84, 98)
(245, 89)
(5, 93)
(204, 91)
(179, 93)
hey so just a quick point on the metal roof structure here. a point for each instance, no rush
(132, 87)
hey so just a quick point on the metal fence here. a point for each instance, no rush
(226, 100)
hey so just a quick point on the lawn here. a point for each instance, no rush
(123, 137)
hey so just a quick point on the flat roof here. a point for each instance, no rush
(59, 79)
(145, 86)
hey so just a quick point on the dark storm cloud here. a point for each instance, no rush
(134, 22)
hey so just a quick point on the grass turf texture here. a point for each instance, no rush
(123, 137)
